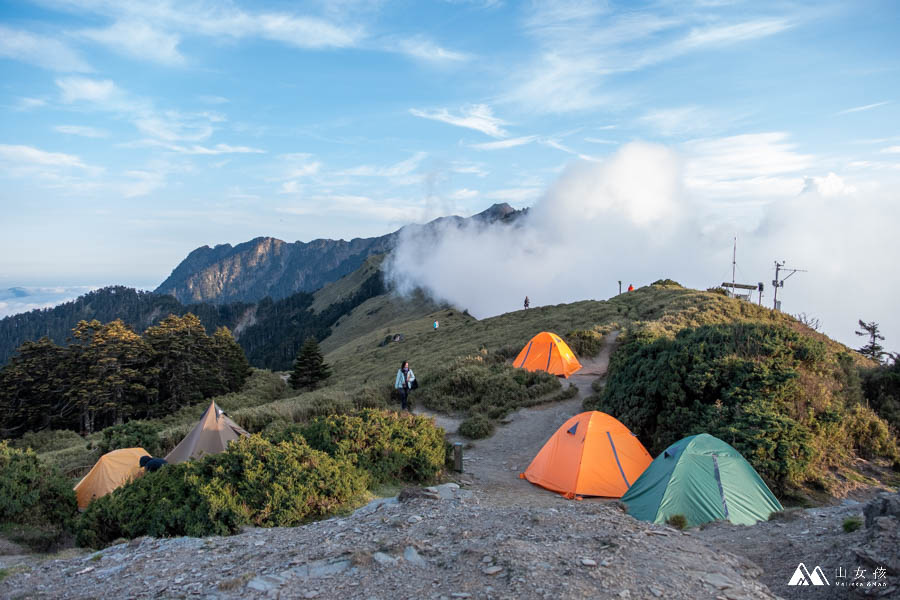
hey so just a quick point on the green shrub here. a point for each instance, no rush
(677, 521)
(585, 342)
(133, 434)
(476, 427)
(870, 435)
(389, 446)
(851, 524)
(255, 482)
(667, 283)
(48, 440)
(470, 384)
(773, 394)
(32, 493)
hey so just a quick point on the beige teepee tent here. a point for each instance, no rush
(210, 436)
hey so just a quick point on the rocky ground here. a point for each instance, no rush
(489, 535)
(438, 543)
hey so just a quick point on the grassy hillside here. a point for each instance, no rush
(664, 310)
(464, 352)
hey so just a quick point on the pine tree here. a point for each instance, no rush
(873, 349)
(232, 360)
(310, 368)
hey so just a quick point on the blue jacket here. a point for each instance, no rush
(398, 381)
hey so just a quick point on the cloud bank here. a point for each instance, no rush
(637, 217)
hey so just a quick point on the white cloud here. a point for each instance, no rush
(720, 35)
(30, 103)
(422, 48)
(762, 166)
(466, 168)
(676, 121)
(582, 45)
(75, 89)
(862, 108)
(82, 130)
(891, 150)
(173, 126)
(479, 117)
(199, 150)
(518, 195)
(138, 40)
(463, 194)
(389, 210)
(27, 155)
(828, 186)
(400, 169)
(45, 52)
(504, 144)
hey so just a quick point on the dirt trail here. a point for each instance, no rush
(492, 465)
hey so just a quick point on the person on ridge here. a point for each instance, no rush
(404, 382)
(630, 288)
(526, 302)
(152, 464)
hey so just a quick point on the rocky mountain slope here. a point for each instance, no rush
(270, 267)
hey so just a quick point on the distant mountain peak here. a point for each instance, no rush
(267, 266)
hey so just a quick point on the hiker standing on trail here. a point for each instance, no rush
(630, 288)
(526, 302)
(404, 382)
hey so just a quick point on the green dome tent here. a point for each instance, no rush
(704, 479)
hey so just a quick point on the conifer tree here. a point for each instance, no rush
(232, 360)
(310, 368)
(873, 349)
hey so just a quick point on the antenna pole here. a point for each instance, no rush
(775, 283)
(733, 263)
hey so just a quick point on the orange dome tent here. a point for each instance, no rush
(592, 454)
(547, 352)
(114, 469)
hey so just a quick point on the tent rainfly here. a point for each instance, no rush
(112, 470)
(704, 479)
(547, 352)
(210, 436)
(592, 454)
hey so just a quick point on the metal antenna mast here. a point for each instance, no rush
(733, 262)
(779, 282)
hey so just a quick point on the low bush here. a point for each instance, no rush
(476, 427)
(255, 482)
(851, 524)
(48, 440)
(471, 385)
(33, 493)
(677, 521)
(870, 435)
(389, 446)
(585, 342)
(133, 434)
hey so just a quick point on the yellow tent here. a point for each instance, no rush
(210, 436)
(112, 470)
(548, 352)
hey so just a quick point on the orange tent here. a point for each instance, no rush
(592, 454)
(547, 352)
(112, 470)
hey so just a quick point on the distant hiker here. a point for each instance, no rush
(630, 288)
(405, 381)
(435, 325)
(527, 303)
(152, 464)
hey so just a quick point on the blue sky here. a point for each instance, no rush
(133, 132)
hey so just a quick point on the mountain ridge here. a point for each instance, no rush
(269, 267)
